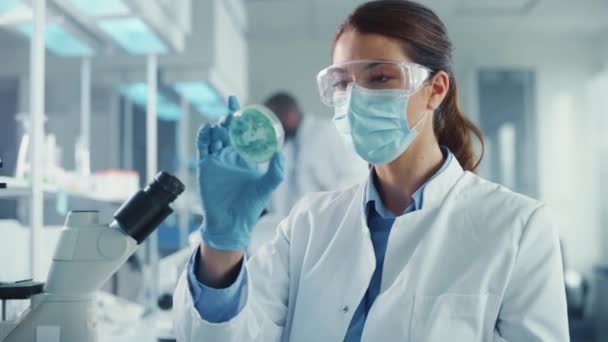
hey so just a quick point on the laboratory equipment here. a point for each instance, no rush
(87, 254)
(600, 301)
(256, 133)
(51, 156)
(2, 185)
(82, 157)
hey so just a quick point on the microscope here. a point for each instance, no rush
(87, 254)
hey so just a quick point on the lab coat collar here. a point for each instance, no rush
(437, 189)
(372, 200)
(434, 192)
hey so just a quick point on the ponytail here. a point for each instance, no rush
(455, 131)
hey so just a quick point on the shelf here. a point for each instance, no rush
(20, 188)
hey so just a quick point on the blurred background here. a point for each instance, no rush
(118, 89)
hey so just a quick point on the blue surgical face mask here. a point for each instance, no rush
(375, 123)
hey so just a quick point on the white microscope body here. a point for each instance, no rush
(87, 254)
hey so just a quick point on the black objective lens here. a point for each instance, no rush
(147, 209)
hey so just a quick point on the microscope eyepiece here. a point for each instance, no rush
(148, 208)
(168, 183)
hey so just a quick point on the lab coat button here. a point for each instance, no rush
(345, 309)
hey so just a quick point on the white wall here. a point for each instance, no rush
(567, 150)
(597, 89)
(290, 65)
(598, 105)
(563, 65)
(601, 42)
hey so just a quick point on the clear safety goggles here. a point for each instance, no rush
(334, 81)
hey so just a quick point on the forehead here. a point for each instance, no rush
(353, 46)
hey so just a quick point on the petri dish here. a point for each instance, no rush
(256, 133)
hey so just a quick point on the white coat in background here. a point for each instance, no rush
(316, 159)
(488, 268)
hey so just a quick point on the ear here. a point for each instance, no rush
(440, 84)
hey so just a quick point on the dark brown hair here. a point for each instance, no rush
(426, 42)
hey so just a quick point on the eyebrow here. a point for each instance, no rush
(373, 65)
(370, 65)
(339, 71)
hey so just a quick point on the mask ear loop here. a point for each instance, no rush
(422, 120)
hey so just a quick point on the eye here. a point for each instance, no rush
(380, 78)
(340, 85)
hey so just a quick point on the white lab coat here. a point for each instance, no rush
(316, 159)
(488, 268)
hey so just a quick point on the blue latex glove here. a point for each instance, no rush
(234, 192)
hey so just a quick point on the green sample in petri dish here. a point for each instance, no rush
(256, 133)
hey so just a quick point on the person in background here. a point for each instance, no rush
(316, 159)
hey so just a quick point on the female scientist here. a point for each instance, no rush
(424, 250)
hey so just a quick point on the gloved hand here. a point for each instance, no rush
(234, 192)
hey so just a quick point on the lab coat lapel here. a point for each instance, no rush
(332, 288)
(410, 235)
(410, 243)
